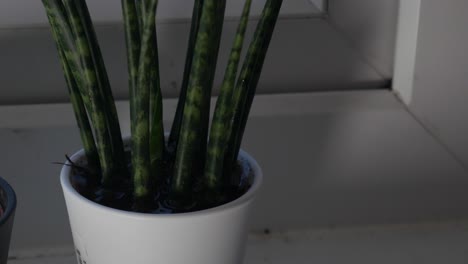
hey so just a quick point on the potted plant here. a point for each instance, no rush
(7, 213)
(184, 198)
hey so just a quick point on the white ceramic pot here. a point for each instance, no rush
(103, 235)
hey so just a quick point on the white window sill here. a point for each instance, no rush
(403, 244)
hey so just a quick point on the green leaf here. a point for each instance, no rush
(196, 109)
(177, 123)
(133, 42)
(102, 108)
(157, 142)
(60, 31)
(144, 187)
(249, 76)
(220, 127)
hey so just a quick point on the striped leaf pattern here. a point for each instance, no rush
(142, 180)
(195, 153)
(249, 76)
(221, 126)
(196, 109)
(56, 15)
(176, 125)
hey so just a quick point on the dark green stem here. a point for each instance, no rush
(157, 143)
(143, 185)
(59, 24)
(177, 123)
(249, 76)
(198, 98)
(102, 109)
(220, 127)
(133, 42)
(140, 10)
(105, 89)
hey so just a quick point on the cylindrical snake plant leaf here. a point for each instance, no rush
(157, 142)
(60, 28)
(104, 84)
(133, 42)
(84, 126)
(140, 10)
(220, 127)
(249, 76)
(177, 123)
(199, 166)
(102, 111)
(198, 98)
(143, 185)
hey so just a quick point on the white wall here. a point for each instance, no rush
(297, 61)
(370, 27)
(24, 13)
(440, 95)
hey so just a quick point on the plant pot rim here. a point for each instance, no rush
(245, 198)
(10, 203)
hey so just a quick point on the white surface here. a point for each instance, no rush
(405, 244)
(345, 158)
(105, 235)
(405, 54)
(369, 26)
(320, 4)
(276, 105)
(310, 63)
(441, 74)
(24, 13)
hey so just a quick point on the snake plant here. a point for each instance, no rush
(196, 158)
